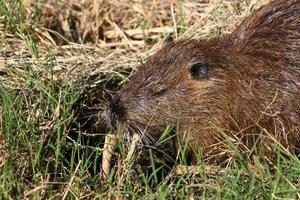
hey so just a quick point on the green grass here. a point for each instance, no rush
(15, 22)
(42, 163)
(14, 14)
(43, 159)
(35, 124)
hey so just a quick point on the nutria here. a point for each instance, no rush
(243, 87)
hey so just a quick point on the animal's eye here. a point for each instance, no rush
(159, 92)
(199, 70)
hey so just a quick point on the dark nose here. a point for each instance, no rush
(115, 112)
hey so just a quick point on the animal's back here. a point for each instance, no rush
(272, 31)
(267, 46)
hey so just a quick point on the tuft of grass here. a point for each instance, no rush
(14, 13)
(32, 133)
(15, 21)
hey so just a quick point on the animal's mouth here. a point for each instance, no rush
(118, 118)
(161, 143)
(145, 133)
(115, 113)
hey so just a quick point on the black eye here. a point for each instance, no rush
(199, 70)
(159, 92)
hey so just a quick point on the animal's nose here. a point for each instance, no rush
(115, 112)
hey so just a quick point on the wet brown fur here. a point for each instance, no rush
(252, 92)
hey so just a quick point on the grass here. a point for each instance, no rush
(51, 144)
(14, 13)
(40, 162)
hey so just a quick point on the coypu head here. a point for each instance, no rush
(244, 85)
(179, 85)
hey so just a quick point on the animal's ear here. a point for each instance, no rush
(168, 40)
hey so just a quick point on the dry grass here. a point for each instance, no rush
(87, 37)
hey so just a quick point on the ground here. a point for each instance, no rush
(59, 61)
